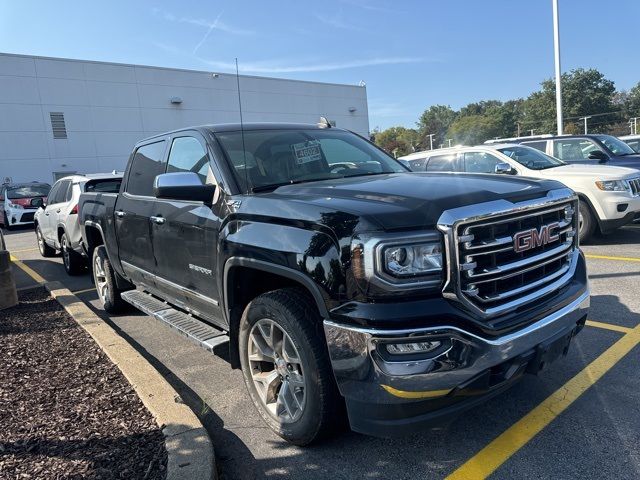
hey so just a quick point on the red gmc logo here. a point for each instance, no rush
(528, 239)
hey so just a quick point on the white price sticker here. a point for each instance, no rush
(307, 151)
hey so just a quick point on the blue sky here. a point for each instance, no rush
(411, 54)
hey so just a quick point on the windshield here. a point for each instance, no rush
(28, 191)
(617, 146)
(278, 157)
(531, 158)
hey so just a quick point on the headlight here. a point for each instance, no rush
(413, 260)
(613, 185)
(14, 205)
(390, 264)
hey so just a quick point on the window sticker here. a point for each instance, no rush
(306, 152)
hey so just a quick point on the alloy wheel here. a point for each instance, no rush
(40, 241)
(276, 370)
(65, 253)
(100, 277)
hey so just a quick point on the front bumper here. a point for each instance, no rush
(388, 397)
(618, 209)
(20, 216)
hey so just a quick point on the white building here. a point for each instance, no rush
(60, 116)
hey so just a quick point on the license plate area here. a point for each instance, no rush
(550, 350)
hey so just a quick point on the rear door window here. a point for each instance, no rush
(573, 148)
(147, 163)
(442, 163)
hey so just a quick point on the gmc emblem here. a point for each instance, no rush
(528, 239)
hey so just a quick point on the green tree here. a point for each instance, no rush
(397, 141)
(473, 129)
(435, 120)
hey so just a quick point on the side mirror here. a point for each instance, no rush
(598, 155)
(182, 186)
(504, 169)
(37, 202)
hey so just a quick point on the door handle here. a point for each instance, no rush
(58, 211)
(120, 213)
(46, 213)
(158, 220)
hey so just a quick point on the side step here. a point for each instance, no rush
(196, 330)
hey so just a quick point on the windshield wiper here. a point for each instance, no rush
(273, 186)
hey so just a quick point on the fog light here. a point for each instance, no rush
(408, 348)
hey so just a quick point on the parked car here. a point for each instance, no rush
(589, 149)
(56, 221)
(20, 201)
(335, 275)
(609, 196)
(633, 141)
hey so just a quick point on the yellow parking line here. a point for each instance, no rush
(607, 257)
(487, 460)
(28, 270)
(609, 326)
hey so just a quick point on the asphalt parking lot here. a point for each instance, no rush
(579, 419)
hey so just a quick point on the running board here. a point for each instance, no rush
(196, 330)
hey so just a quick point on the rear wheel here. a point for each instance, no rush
(586, 223)
(45, 250)
(73, 262)
(105, 282)
(286, 366)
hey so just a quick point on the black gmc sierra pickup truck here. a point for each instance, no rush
(336, 277)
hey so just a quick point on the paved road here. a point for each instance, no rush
(597, 436)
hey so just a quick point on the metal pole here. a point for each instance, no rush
(585, 123)
(431, 135)
(449, 140)
(518, 123)
(556, 50)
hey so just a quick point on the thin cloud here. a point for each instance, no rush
(368, 5)
(279, 67)
(217, 24)
(335, 21)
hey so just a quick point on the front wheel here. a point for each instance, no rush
(5, 220)
(45, 250)
(105, 282)
(286, 366)
(586, 223)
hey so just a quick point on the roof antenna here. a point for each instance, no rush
(244, 149)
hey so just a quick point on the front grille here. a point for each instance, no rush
(27, 217)
(634, 184)
(508, 260)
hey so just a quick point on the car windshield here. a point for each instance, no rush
(271, 158)
(617, 146)
(531, 158)
(28, 191)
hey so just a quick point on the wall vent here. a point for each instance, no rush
(57, 125)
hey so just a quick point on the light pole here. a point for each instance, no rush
(518, 123)
(449, 140)
(556, 50)
(634, 123)
(431, 135)
(585, 123)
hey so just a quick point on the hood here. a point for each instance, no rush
(410, 200)
(595, 171)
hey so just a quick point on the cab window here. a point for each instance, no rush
(188, 155)
(442, 163)
(573, 148)
(480, 162)
(145, 166)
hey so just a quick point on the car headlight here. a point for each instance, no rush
(15, 205)
(613, 185)
(390, 264)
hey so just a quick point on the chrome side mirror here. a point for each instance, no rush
(182, 186)
(504, 169)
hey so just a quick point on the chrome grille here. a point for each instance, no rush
(634, 184)
(510, 259)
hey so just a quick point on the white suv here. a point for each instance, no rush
(610, 196)
(56, 222)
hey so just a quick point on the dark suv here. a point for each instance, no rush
(335, 276)
(596, 148)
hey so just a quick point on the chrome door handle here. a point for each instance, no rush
(157, 220)
(120, 213)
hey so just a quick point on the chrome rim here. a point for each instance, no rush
(65, 252)
(100, 278)
(276, 371)
(40, 241)
(580, 222)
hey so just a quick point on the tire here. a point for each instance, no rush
(45, 250)
(586, 223)
(105, 282)
(302, 364)
(73, 262)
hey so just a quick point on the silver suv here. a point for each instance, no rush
(56, 222)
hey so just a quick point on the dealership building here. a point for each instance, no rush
(60, 116)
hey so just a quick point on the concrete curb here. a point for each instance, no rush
(190, 451)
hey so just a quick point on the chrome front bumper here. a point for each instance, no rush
(366, 376)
